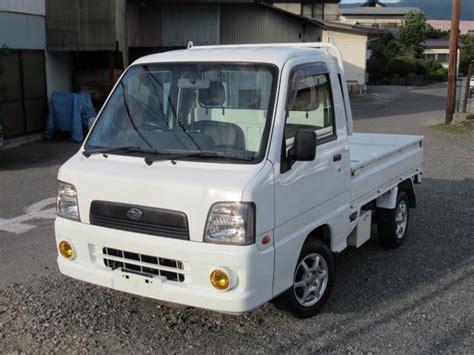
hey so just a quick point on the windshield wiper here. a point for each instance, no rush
(129, 149)
(211, 155)
(129, 115)
(172, 108)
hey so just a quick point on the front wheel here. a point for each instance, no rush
(312, 281)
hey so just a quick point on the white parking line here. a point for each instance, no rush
(37, 210)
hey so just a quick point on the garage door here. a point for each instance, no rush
(23, 104)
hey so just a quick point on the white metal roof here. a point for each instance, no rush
(278, 54)
(377, 11)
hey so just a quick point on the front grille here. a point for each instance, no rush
(173, 270)
(153, 221)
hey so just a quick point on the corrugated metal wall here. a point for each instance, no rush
(242, 24)
(81, 24)
(169, 25)
(280, 28)
(143, 25)
(255, 24)
(190, 22)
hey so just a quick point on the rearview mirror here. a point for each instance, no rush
(213, 96)
(304, 146)
(193, 83)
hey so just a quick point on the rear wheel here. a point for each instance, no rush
(312, 281)
(393, 223)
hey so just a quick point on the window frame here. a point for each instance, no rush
(324, 71)
(272, 68)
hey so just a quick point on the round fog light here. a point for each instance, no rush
(220, 280)
(66, 250)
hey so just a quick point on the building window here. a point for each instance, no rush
(430, 56)
(443, 58)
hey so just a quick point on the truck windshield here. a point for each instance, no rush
(211, 110)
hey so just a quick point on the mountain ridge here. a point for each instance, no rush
(435, 10)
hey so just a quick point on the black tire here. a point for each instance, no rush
(288, 300)
(390, 237)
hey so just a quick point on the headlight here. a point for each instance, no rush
(67, 205)
(231, 223)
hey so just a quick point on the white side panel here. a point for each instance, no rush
(380, 162)
(311, 193)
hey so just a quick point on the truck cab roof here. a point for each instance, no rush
(277, 54)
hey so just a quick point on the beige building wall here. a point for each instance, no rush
(290, 7)
(331, 12)
(354, 52)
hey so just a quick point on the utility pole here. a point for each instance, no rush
(453, 60)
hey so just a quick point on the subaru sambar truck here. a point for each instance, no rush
(224, 177)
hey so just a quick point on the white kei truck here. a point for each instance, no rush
(223, 177)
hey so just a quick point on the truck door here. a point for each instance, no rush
(311, 190)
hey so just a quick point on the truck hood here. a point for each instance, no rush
(190, 187)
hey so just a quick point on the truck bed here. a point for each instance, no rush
(380, 161)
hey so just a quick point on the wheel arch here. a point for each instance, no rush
(409, 188)
(322, 233)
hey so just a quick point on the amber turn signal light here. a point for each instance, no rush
(66, 250)
(220, 280)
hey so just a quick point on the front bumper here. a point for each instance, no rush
(253, 267)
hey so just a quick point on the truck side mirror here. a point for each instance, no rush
(304, 146)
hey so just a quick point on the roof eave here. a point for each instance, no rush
(314, 22)
(333, 25)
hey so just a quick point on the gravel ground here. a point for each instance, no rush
(416, 299)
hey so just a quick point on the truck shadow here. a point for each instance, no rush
(374, 286)
(376, 291)
(440, 239)
(439, 244)
(37, 154)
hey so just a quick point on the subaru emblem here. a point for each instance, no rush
(134, 213)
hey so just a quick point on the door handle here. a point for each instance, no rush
(337, 157)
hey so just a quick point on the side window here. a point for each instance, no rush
(310, 103)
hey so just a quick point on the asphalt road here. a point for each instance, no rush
(414, 299)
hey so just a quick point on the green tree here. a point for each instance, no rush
(435, 33)
(467, 52)
(412, 33)
(382, 50)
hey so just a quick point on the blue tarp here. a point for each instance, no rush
(69, 112)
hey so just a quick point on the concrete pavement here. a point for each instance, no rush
(414, 299)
